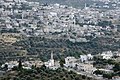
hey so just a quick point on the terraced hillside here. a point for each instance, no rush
(62, 48)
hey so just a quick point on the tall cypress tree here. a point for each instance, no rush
(20, 64)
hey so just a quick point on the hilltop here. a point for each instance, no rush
(74, 3)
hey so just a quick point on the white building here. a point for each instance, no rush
(90, 57)
(29, 64)
(116, 78)
(25, 65)
(52, 64)
(107, 55)
(86, 67)
(10, 64)
(70, 62)
(83, 58)
(116, 53)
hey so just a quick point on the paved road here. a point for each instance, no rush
(86, 74)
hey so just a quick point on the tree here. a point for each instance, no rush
(62, 62)
(20, 64)
(5, 67)
(15, 68)
(116, 68)
(109, 75)
(98, 72)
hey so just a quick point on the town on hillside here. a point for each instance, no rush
(43, 38)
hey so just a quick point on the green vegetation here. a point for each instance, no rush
(62, 48)
(101, 63)
(104, 23)
(13, 30)
(105, 75)
(43, 73)
(116, 68)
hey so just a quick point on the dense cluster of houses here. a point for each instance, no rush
(109, 54)
(34, 19)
